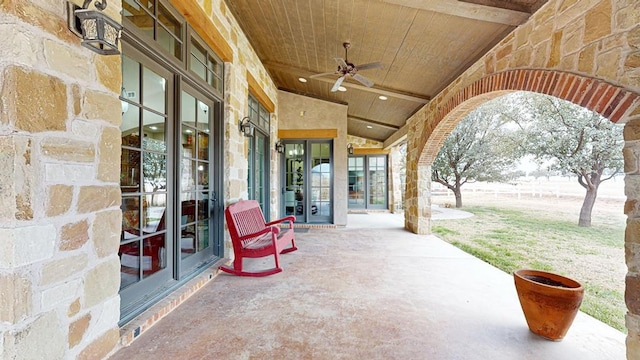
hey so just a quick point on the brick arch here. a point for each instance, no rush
(610, 101)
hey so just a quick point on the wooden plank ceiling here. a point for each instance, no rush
(423, 46)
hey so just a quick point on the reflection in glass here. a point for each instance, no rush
(131, 79)
(203, 146)
(130, 127)
(203, 206)
(130, 263)
(154, 93)
(169, 33)
(130, 217)
(154, 168)
(188, 209)
(203, 116)
(189, 175)
(153, 126)
(138, 16)
(130, 170)
(154, 254)
(203, 176)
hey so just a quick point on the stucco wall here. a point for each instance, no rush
(319, 114)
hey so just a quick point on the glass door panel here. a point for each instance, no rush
(377, 198)
(146, 214)
(294, 180)
(195, 191)
(320, 186)
(356, 182)
(258, 170)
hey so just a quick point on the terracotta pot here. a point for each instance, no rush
(550, 302)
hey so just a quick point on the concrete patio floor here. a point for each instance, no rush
(368, 291)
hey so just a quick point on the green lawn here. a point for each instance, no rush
(513, 239)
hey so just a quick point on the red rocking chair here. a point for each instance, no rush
(252, 237)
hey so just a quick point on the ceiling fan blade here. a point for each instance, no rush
(341, 63)
(338, 83)
(366, 82)
(322, 74)
(373, 65)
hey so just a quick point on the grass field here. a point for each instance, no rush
(542, 234)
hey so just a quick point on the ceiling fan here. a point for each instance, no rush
(345, 68)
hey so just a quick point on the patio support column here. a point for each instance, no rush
(632, 235)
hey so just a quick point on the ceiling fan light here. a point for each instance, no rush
(382, 97)
(302, 80)
(342, 88)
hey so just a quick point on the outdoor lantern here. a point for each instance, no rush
(246, 127)
(280, 147)
(350, 148)
(99, 32)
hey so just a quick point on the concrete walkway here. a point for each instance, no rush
(368, 291)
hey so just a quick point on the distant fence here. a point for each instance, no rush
(554, 187)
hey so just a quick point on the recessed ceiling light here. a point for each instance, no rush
(369, 127)
(302, 80)
(188, 131)
(342, 88)
(153, 127)
(382, 97)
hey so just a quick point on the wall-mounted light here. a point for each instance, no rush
(350, 148)
(246, 127)
(280, 147)
(98, 32)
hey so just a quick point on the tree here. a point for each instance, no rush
(575, 141)
(480, 148)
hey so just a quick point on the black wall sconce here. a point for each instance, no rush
(350, 148)
(280, 147)
(246, 127)
(98, 32)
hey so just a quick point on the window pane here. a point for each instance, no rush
(172, 25)
(130, 127)
(188, 177)
(130, 170)
(135, 12)
(169, 42)
(153, 126)
(203, 146)
(130, 79)
(154, 90)
(154, 169)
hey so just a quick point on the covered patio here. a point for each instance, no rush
(371, 290)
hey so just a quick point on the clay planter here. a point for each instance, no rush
(550, 302)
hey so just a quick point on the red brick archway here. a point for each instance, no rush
(610, 101)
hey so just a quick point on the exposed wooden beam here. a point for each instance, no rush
(308, 134)
(205, 27)
(370, 151)
(258, 92)
(467, 10)
(377, 90)
(373, 122)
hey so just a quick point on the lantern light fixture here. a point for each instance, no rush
(280, 147)
(98, 32)
(350, 148)
(246, 127)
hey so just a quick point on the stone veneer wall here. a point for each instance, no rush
(584, 51)
(60, 213)
(60, 197)
(236, 106)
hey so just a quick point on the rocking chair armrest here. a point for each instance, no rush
(266, 230)
(289, 218)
